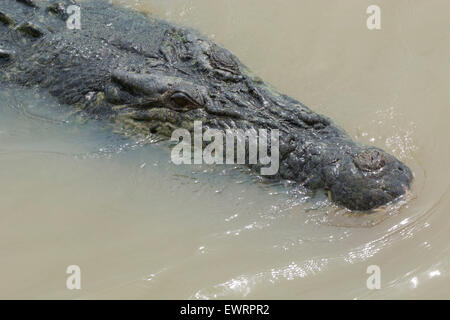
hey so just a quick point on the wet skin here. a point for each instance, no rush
(153, 77)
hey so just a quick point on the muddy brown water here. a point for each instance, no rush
(139, 227)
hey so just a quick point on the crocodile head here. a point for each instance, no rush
(155, 77)
(215, 88)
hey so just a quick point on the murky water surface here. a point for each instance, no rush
(74, 193)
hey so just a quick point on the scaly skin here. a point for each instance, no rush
(157, 77)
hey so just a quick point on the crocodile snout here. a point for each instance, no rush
(370, 178)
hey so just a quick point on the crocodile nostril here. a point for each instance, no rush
(370, 160)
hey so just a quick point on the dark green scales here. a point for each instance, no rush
(156, 77)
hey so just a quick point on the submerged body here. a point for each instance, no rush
(154, 77)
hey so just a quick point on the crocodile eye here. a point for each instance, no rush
(181, 100)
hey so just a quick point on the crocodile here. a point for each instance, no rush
(153, 77)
